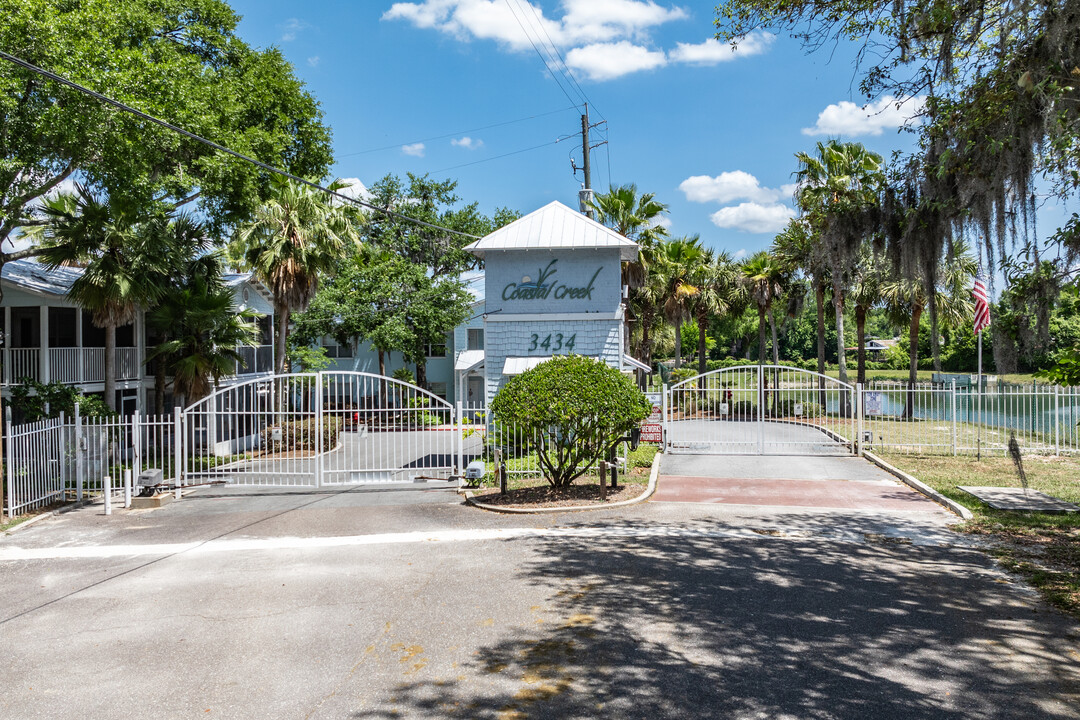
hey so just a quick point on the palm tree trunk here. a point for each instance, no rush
(421, 375)
(913, 360)
(701, 322)
(646, 342)
(282, 313)
(838, 304)
(819, 298)
(678, 343)
(110, 366)
(860, 332)
(382, 374)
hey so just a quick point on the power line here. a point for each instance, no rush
(542, 58)
(565, 69)
(497, 157)
(210, 143)
(459, 132)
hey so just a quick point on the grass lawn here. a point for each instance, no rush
(1043, 548)
(924, 375)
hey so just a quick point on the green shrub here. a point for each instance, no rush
(744, 409)
(300, 435)
(572, 409)
(643, 456)
(29, 398)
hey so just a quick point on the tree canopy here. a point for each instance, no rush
(179, 60)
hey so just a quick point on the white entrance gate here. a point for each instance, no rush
(319, 429)
(762, 410)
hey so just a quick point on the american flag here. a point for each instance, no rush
(982, 305)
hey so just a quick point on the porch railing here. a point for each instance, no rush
(69, 365)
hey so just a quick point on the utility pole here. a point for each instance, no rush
(586, 166)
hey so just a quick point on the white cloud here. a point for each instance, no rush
(291, 27)
(606, 61)
(753, 217)
(739, 254)
(727, 187)
(416, 149)
(468, 143)
(313, 61)
(583, 21)
(713, 52)
(847, 118)
(663, 221)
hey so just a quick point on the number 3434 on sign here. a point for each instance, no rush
(553, 342)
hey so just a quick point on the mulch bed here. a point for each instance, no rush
(544, 496)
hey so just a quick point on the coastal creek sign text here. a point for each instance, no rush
(544, 287)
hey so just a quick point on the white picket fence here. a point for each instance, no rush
(71, 459)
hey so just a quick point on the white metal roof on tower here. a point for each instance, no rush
(554, 227)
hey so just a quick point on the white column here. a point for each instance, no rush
(43, 334)
(80, 361)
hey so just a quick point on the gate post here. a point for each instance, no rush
(319, 439)
(178, 449)
(80, 461)
(859, 404)
(460, 443)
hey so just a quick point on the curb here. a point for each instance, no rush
(920, 486)
(649, 490)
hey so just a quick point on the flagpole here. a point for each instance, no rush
(978, 389)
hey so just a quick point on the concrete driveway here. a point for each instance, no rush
(824, 482)
(401, 603)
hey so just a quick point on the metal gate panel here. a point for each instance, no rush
(383, 430)
(761, 410)
(264, 432)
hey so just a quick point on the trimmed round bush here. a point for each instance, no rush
(572, 409)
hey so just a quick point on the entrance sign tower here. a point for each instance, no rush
(553, 287)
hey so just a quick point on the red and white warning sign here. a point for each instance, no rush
(652, 430)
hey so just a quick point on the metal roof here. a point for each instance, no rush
(468, 360)
(554, 227)
(35, 277)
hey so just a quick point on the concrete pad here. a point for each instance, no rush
(1019, 499)
(849, 483)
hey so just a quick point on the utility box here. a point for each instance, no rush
(150, 478)
(475, 470)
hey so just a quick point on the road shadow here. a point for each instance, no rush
(695, 625)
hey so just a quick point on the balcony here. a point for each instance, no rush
(68, 365)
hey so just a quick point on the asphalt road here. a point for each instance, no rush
(398, 602)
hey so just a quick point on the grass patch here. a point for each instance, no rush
(1043, 548)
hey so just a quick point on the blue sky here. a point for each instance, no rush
(409, 87)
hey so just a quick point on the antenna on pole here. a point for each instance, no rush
(585, 195)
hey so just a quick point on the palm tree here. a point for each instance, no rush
(907, 298)
(205, 333)
(646, 304)
(865, 293)
(798, 247)
(680, 260)
(838, 189)
(295, 235)
(719, 293)
(124, 264)
(762, 278)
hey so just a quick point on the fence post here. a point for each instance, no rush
(136, 444)
(127, 489)
(954, 417)
(664, 416)
(460, 443)
(178, 452)
(108, 494)
(762, 402)
(60, 455)
(1057, 419)
(861, 423)
(318, 429)
(80, 459)
(10, 458)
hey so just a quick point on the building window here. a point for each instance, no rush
(476, 339)
(436, 350)
(333, 350)
(438, 388)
